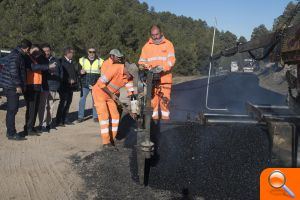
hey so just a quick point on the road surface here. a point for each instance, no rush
(192, 161)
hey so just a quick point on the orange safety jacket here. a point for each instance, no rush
(33, 77)
(162, 54)
(112, 77)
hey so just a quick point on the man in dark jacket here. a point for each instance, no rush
(37, 63)
(89, 68)
(68, 85)
(49, 95)
(13, 80)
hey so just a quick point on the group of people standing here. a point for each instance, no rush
(44, 80)
(32, 71)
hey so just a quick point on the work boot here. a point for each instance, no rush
(61, 124)
(47, 129)
(110, 147)
(68, 123)
(80, 120)
(53, 126)
(23, 134)
(10, 136)
(33, 132)
(19, 137)
(38, 129)
(107, 146)
(118, 143)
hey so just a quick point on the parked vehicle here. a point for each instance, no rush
(3, 52)
(234, 66)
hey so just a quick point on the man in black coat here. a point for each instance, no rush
(37, 63)
(13, 81)
(49, 95)
(68, 85)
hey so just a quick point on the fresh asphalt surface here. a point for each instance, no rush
(192, 161)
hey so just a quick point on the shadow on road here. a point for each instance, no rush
(231, 91)
(214, 162)
(192, 161)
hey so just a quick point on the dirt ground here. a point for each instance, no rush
(41, 167)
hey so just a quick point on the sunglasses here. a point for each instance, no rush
(92, 51)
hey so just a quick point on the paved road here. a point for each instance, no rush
(231, 91)
(214, 162)
(193, 161)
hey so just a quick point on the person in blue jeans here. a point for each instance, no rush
(89, 68)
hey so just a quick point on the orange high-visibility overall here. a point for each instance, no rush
(112, 77)
(162, 54)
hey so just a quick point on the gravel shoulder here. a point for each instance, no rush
(41, 167)
(69, 163)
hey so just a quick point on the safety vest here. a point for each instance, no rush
(34, 78)
(114, 79)
(162, 54)
(91, 69)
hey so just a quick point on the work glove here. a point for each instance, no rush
(158, 69)
(141, 67)
(90, 87)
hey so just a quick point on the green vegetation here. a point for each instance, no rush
(122, 24)
(103, 24)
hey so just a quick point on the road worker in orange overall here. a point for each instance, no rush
(159, 53)
(105, 92)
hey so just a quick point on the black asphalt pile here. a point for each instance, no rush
(112, 175)
(192, 162)
(214, 162)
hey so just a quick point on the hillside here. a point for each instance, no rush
(122, 24)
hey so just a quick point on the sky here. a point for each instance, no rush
(236, 16)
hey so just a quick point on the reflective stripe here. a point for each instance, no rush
(143, 60)
(130, 84)
(94, 71)
(91, 68)
(170, 64)
(114, 86)
(103, 79)
(114, 129)
(162, 58)
(104, 131)
(131, 89)
(165, 114)
(114, 121)
(100, 62)
(104, 122)
(171, 55)
(155, 113)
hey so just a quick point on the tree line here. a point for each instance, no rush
(122, 24)
(103, 24)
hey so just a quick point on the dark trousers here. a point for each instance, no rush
(32, 99)
(12, 109)
(64, 105)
